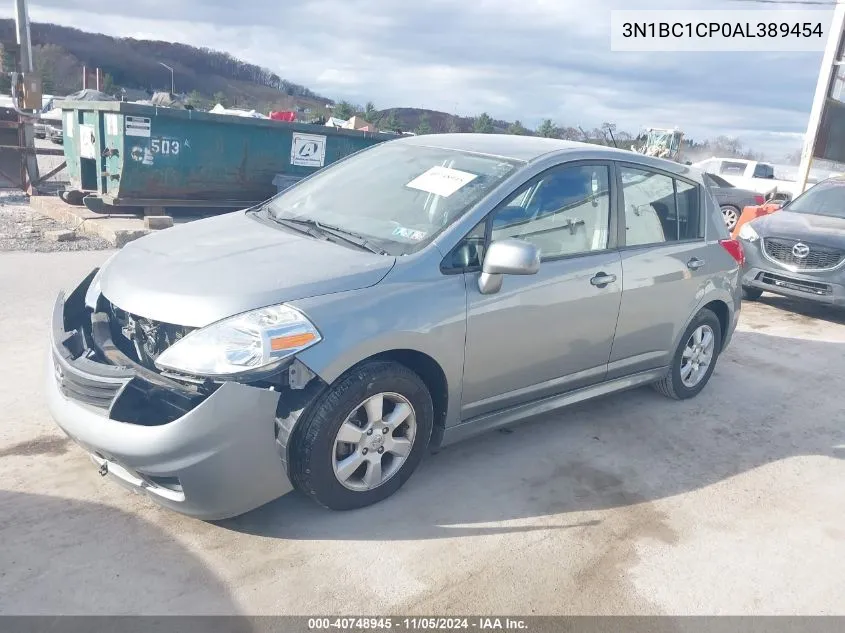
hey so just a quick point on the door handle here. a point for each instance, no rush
(602, 279)
(695, 263)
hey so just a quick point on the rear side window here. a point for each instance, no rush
(732, 169)
(689, 211)
(659, 208)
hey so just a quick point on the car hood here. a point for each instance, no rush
(203, 271)
(816, 229)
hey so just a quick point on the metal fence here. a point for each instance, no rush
(51, 167)
(52, 175)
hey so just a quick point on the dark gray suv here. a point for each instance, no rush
(409, 296)
(799, 251)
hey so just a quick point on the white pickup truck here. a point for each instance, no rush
(751, 174)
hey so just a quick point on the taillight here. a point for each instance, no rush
(735, 249)
(759, 199)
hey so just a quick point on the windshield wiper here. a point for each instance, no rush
(350, 236)
(315, 228)
(300, 226)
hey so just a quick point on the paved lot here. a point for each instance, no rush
(729, 503)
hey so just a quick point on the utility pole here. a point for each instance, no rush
(22, 27)
(831, 65)
(172, 80)
(27, 68)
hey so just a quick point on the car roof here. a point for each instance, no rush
(530, 148)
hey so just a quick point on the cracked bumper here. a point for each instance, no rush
(218, 460)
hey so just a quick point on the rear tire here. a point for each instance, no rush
(678, 384)
(359, 408)
(730, 214)
(751, 294)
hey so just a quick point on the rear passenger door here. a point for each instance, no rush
(664, 265)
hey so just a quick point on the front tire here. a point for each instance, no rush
(694, 359)
(364, 438)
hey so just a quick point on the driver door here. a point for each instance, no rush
(551, 332)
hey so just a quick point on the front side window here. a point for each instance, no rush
(566, 211)
(396, 195)
(469, 253)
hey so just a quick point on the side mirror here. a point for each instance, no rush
(507, 257)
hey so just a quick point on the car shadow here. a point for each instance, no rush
(68, 557)
(626, 449)
(808, 309)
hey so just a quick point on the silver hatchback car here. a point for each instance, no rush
(409, 296)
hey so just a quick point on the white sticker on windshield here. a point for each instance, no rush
(441, 181)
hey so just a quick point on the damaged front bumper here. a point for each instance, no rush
(210, 454)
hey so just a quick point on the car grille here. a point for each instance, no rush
(811, 287)
(819, 258)
(92, 392)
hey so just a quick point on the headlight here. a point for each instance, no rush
(748, 233)
(256, 340)
(93, 292)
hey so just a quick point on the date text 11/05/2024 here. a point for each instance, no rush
(416, 623)
(722, 29)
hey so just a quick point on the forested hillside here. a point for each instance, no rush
(60, 53)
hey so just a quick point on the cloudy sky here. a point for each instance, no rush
(525, 59)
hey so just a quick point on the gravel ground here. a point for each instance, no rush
(22, 229)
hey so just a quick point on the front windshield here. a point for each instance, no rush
(396, 195)
(825, 198)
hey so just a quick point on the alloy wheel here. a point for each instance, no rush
(697, 356)
(374, 441)
(730, 217)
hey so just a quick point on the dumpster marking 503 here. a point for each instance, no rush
(170, 147)
(165, 146)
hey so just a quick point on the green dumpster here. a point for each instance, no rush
(133, 155)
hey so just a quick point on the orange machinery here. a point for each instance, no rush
(752, 213)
